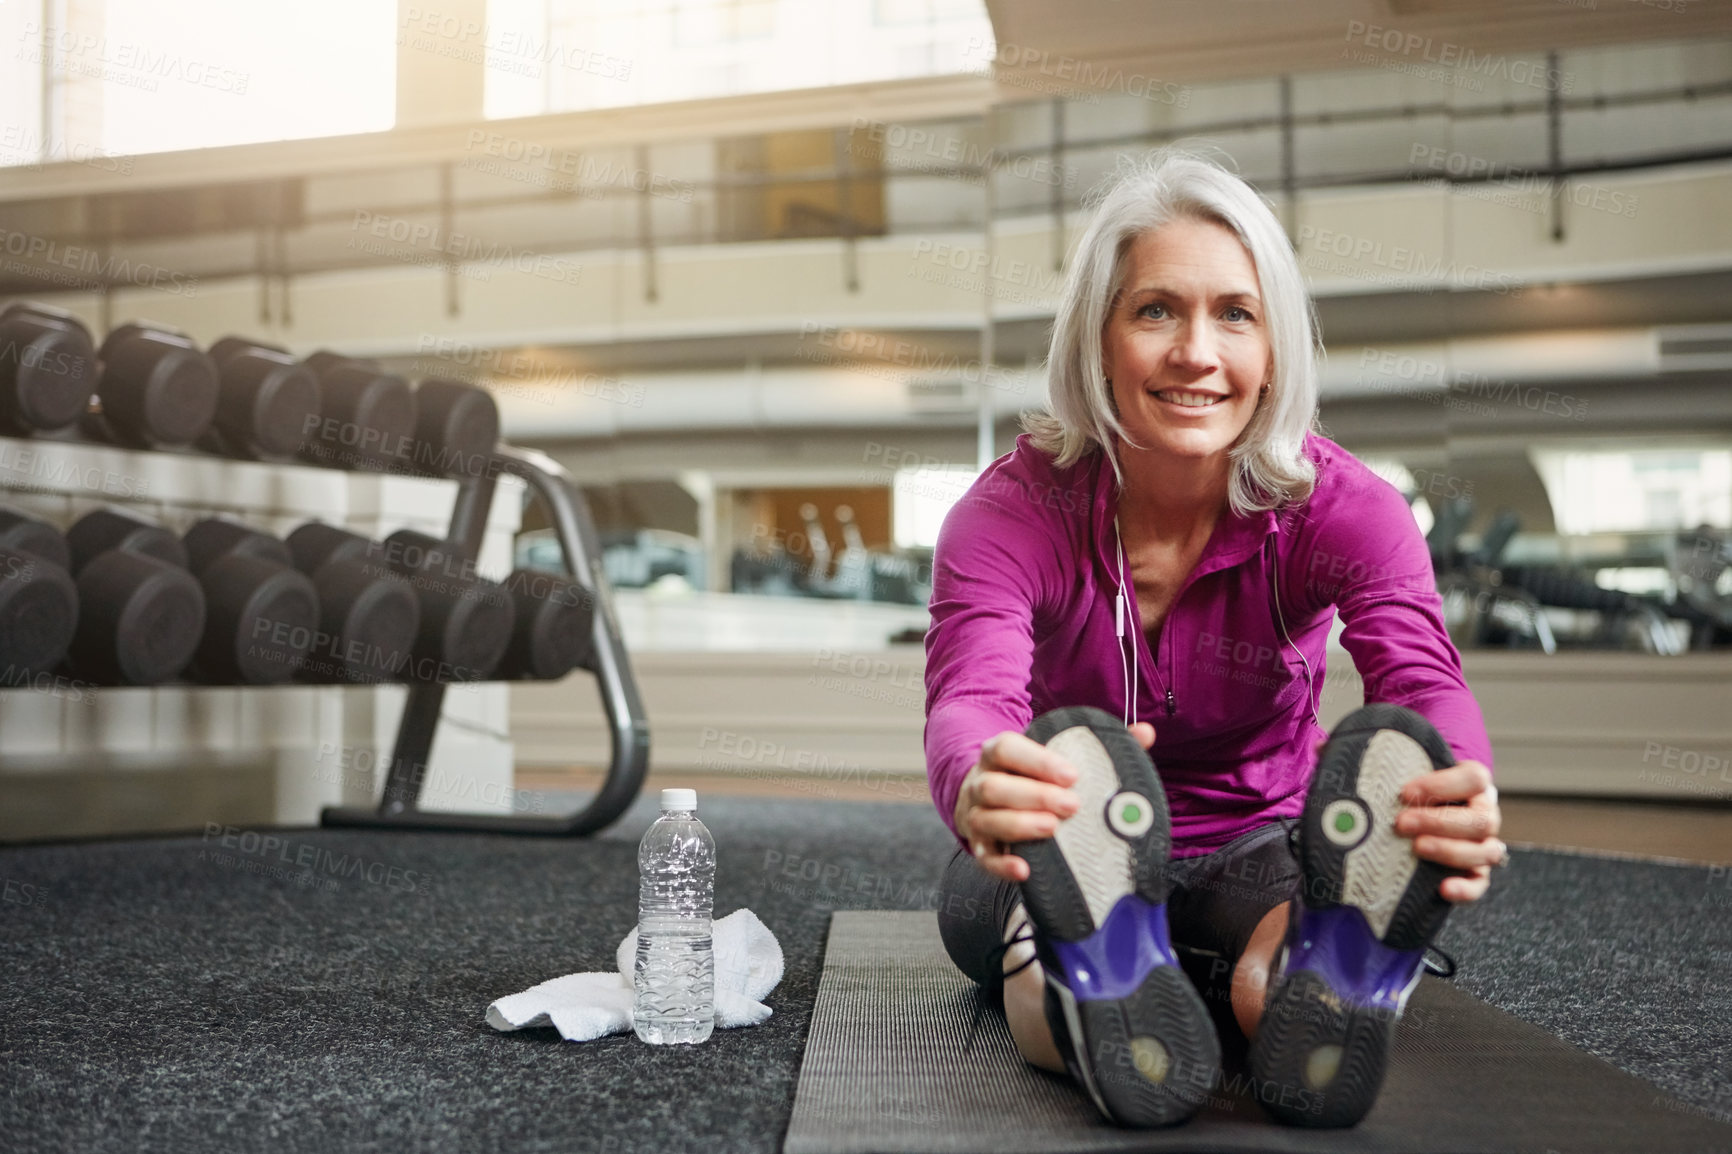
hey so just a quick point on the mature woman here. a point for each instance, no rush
(1171, 542)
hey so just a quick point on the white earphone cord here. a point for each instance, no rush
(1127, 664)
(1310, 678)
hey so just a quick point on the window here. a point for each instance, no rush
(698, 22)
(921, 499)
(160, 75)
(613, 53)
(1637, 489)
(921, 11)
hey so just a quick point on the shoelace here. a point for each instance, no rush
(983, 993)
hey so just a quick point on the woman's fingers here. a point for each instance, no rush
(1008, 791)
(1467, 889)
(1457, 783)
(1018, 753)
(1472, 822)
(1447, 831)
(1004, 865)
(1008, 825)
(1452, 851)
(1018, 792)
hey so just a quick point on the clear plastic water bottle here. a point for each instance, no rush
(675, 972)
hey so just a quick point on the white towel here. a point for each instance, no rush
(585, 1006)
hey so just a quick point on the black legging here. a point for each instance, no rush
(1216, 902)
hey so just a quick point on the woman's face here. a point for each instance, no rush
(1185, 346)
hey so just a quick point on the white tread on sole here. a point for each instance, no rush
(1099, 859)
(1379, 868)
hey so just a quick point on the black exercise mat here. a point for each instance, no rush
(886, 1069)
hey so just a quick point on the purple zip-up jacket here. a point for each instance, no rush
(1023, 592)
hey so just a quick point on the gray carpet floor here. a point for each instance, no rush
(327, 992)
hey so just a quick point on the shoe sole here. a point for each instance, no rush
(1096, 892)
(1369, 909)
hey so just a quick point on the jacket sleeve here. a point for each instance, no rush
(1365, 555)
(990, 572)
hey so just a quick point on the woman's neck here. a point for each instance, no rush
(1172, 499)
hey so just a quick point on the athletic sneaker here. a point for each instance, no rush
(1369, 908)
(1131, 1027)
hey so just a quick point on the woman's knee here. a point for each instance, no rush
(972, 905)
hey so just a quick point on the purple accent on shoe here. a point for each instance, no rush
(1337, 944)
(1113, 961)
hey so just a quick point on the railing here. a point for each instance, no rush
(627, 724)
(1036, 164)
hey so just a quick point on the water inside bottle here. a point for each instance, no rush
(674, 970)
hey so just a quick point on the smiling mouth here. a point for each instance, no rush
(1189, 400)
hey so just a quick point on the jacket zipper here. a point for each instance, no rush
(1166, 643)
(1165, 683)
(1172, 705)
(1168, 683)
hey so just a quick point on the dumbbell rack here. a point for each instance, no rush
(417, 728)
(629, 728)
(43, 400)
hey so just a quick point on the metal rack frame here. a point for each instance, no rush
(398, 806)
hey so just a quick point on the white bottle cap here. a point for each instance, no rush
(680, 799)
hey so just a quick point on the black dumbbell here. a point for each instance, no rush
(466, 622)
(315, 543)
(96, 533)
(368, 615)
(38, 599)
(22, 533)
(217, 537)
(368, 416)
(267, 403)
(47, 369)
(141, 613)
(156, 389)
(554, 631)
(261, 613)
(456, 427)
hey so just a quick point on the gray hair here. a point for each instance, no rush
(1269, 464)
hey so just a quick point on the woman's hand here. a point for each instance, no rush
(1463, 836)
(1017, 791)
